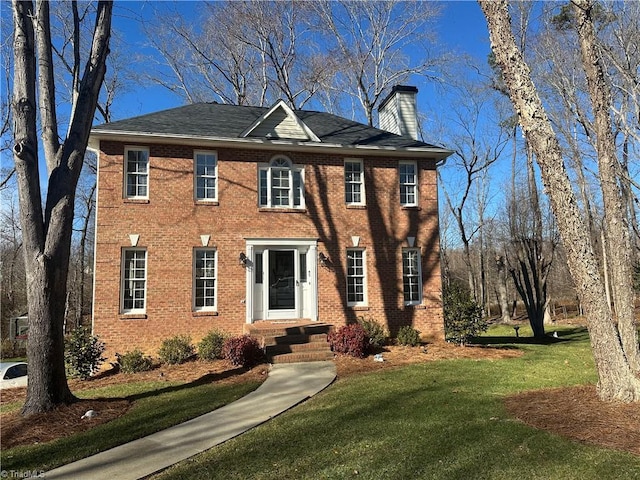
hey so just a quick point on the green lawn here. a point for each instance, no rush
(438, 420)
(158, 405)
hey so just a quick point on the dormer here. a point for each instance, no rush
(280, 122)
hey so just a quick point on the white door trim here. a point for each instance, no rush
(310, 244)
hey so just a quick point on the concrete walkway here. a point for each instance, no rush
(286, 386)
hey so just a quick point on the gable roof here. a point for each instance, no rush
(233, 125)
(280, 122)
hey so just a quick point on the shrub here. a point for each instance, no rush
(82, 353)
(210, 347)
(11, 349)
(176, 350)
(134, 361)
(242, 351)
(349, 340)
(462, 315)
(376, 333)
(409, 336)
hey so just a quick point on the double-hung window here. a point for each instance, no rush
(136, 172)
(134, 280)
(356, 277)
(204, 279)
(281, 184)
(206, 176)
(411, 276)
(408, 184)
(353, 182)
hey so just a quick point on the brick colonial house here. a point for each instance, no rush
(215, 216)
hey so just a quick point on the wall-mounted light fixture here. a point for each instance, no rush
(323, 259)
(243, 260)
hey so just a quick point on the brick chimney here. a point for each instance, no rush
(398, 114)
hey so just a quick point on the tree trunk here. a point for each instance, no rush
(47, 233)
(617, 238)
(503, 300)
(616, 378)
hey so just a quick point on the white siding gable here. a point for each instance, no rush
(279, 125)
(280, 122)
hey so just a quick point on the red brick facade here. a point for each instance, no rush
(170, 225)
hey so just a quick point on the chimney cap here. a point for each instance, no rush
(396, 89)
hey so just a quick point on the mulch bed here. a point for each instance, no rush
(63, 421)
(577, 413)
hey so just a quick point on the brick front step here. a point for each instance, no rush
(293, 343)
(294, 347)
(293, 339)
(314, 356)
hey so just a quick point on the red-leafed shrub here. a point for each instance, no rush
(349, 340)
(243, 351)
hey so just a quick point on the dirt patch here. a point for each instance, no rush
(577, 413)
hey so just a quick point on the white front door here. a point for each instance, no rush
(281, 280)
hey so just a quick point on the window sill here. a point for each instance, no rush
(204, 313)
(410, 207)
(133, 316)
(356, 207)
(415, 306)
(359, 308)
(209, 203)
(140, 201)
(282, 210)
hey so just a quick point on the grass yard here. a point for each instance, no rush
(435, 420)
(156, 406)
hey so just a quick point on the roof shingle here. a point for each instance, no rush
(229, 121)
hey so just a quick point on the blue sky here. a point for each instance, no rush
(462, 28)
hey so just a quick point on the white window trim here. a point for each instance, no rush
(418, 276)
(127, 149)
(416, 184)
(363, 196)
(208, 308)
(122, 280)
(292, 168)
(196, 176)
(364, 301)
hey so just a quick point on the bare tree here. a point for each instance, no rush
(532, 252)
(476, 149)
(47, 230)
(617, 378)
(371, 41)
(13, 299)
(245, 53)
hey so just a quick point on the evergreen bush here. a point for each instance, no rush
(462, 315)
(407, 335)
(210, 347)
(377, 334)
(82, 353)
(176, 350)
(134, 361)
